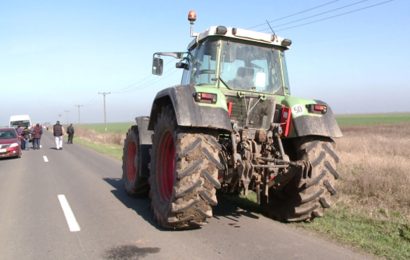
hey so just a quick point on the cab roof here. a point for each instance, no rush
(243, 34)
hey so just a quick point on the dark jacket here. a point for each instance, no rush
(26, 133)
(37, 131)
(57, 130)
(70, 130)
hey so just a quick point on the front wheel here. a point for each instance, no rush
(311, 190)
(134, 183)
(184, 174)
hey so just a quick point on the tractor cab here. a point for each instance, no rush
(234, 59)
(239, 60)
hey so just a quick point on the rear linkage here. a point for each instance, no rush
(259, 160)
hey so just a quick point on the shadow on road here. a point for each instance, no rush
(140, 205)
(233, 210)
(130, 252)
(9, 158)
(227, 208)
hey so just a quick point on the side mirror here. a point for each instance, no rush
(157, 66)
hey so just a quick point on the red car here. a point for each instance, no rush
(9, 143)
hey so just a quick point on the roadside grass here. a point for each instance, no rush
(109, 143)
(101, 138)
(373, 210)
(388, 238)
(111, 150)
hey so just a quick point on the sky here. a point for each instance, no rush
(57, 56)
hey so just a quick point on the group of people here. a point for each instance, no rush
(34, 134)
(58, 132)
(27, 134)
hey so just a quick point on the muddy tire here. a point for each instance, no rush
(184, 174)
(311, 191)
(134, 183)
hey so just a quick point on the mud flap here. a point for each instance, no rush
(145, 137)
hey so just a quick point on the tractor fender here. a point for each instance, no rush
(189, 113)
(143, 133)
(323, 125)
(145, 143)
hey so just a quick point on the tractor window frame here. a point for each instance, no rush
(203, 63)
(273, 73)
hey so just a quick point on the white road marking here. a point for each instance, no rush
(68, 213)
(45, 158)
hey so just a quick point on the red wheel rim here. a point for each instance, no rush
(131, 155)
(166, 166)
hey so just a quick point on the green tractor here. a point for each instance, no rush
(232, 126)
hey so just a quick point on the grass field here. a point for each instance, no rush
(373, 210)
(372, 119)
(111, 127)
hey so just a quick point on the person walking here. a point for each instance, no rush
(37, 132)
(70, 132)
(58, 133)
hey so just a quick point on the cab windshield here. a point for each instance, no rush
(242, 66)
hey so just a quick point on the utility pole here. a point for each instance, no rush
(105, 111)
(66, 116)
(78, 107)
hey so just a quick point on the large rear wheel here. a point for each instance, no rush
(184, 174)
(312, 189)
(134, 183)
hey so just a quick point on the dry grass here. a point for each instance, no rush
(100, 138)
(375, 164)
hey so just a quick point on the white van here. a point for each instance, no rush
(20, 120)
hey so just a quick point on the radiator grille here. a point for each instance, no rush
(260, 116)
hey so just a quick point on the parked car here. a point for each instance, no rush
(9, 143)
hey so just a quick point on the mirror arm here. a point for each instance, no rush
(176, 55)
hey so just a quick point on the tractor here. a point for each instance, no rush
(232, 126)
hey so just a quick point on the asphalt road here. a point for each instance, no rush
(106, 224)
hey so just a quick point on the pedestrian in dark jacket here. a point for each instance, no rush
(70, 132)
(58, 133)
(37, 132)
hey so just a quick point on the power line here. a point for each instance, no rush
(337, 15)
(294, 14)
(132, 85)
(90, 101)
(169, 72)
(277, 26)
(136, 84)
